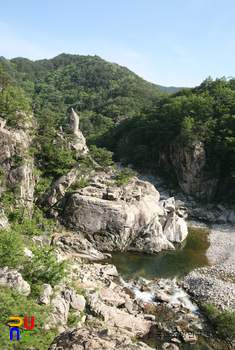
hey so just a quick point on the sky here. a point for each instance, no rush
(171, 43)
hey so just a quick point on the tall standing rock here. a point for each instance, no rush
(78, 142)
(74, 121)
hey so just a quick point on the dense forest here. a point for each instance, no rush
(127, 115)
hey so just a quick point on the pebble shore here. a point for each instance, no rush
(216, 283)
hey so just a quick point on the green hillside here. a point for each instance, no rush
(102, 93)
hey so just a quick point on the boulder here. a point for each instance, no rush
(169, 204)
(43, 240)
(118, 318)
(78, 142)
(175, 229)
(112, 217)
(109, 270)
(28, 253)
(76, 301)
(14, 279)
(161, 296)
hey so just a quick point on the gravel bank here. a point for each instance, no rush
(216, 284)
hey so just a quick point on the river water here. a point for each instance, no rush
(160, 272)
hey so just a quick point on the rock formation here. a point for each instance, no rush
(85, 338)
(15, 162)
(78, 141)
(14, 279)
(3, 220)
(189, 165)
(127, 217)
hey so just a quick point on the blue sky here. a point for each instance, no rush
(170, 43)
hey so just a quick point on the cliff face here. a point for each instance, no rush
(16, 162)
(188, 163)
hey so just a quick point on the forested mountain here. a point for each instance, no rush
(102, 93)
(169, 89)
(132, 118)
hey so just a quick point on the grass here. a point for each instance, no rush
(223, 322)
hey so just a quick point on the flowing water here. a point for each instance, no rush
(160, 272)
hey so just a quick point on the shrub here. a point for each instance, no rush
(101, 156)
(124, 175)
(11, 249)
(224, 322)
(13, 304)
(72, 320)
(44, 268)
(79, 184)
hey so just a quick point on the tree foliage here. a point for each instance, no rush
(14, 106)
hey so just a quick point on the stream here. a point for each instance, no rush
(146, 274)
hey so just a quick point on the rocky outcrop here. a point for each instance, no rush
(15, 162)
(85, 338)
(78, 141)
(126, 217)
(4, 224)
(189, 165)
(14, 279)
(77, 246)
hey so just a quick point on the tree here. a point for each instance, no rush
(11, 249)
(101, 156)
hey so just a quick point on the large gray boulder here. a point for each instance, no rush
(175, 229)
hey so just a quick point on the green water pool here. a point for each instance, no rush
(187, 256)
